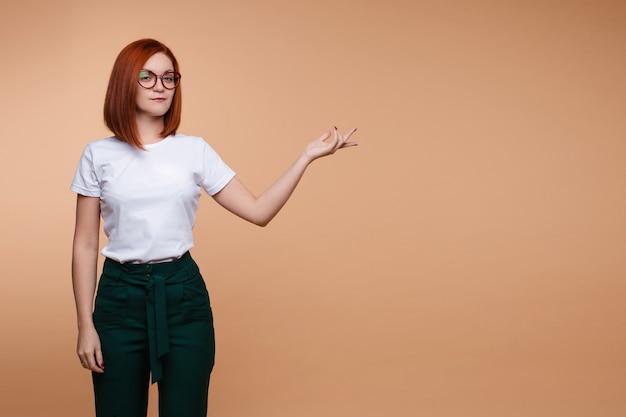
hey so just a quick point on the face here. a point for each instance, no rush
(155, 101)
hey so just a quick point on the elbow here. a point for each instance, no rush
(86, 244)
(261, 222)
(262, 218)
(85, 249)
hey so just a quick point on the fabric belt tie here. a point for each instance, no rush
(158, 334)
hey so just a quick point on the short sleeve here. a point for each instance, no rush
(215, 173)
(85, 180)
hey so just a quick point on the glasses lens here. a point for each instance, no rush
(170, 79)
(147, 79)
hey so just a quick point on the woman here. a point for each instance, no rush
(152, 313)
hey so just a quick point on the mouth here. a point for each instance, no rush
(159, 99)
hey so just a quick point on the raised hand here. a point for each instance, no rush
(328, 144)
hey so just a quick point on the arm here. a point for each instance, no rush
(84, 265)
(260, 210)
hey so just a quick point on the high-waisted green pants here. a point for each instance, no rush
(153, 318)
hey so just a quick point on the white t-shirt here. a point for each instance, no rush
(149, 198)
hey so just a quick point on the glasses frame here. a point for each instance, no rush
(177, 76)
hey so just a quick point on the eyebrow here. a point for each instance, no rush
(167, 70)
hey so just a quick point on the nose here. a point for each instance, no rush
(159, 84)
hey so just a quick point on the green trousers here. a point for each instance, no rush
(153, 319)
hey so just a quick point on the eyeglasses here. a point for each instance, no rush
(169, 79)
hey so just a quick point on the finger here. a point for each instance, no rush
(329, 145)
(347, 136)
(89, 362)
(345, 143)
(99, 359)
(324, 136)
(94, 360)
(84, 361)
(338, 142)
(349, 144)
(94, 367)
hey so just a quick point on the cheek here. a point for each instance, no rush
(140, 96)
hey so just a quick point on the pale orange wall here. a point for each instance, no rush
(466, 260)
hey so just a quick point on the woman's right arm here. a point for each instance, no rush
(84, 266)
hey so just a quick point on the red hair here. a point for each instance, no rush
(120, 103)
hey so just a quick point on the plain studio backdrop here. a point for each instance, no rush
(467, 259)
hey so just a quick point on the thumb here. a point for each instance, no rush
(324, 136)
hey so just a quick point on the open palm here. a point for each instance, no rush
(328, 144)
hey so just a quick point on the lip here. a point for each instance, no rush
(159, 99)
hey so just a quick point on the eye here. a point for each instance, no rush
(145, 76)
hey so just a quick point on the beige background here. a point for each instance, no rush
(467, 259)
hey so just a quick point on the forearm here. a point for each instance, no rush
(274, 198)
(84, 265)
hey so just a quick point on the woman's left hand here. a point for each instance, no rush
(324, 145)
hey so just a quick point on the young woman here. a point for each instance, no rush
(152, 314)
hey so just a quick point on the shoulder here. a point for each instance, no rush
(183, 139)
(192, 143)
(109, 141)
(107, 149)
(111, 144)
(196, 148)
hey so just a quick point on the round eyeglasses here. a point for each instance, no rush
(169, 79)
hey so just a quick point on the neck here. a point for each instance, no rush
(150, 128)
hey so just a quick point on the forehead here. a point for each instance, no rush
(159, 62)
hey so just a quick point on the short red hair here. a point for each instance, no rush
(120, 103)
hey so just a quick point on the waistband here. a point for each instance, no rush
(154, 277)
(118, 269)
